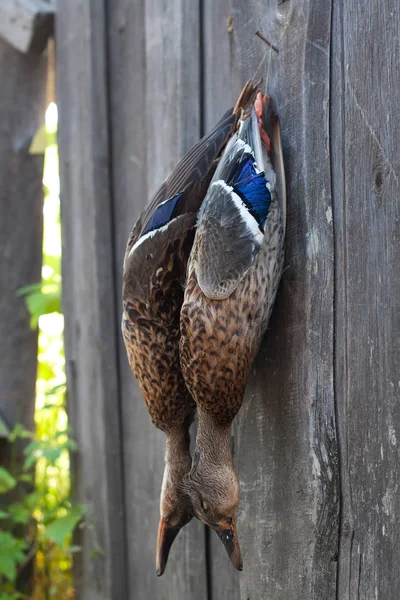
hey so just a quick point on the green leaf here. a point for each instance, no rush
(45, 371)
(41, 140)
(51, 454)
(11, 554)
(61, 387)
(54, 262)
(20, 432)
(20, 513)
(3, 514)
(41, 298)
(59, 529)
(7, 481)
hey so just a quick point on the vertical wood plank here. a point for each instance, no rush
(285, 440)
(155, 100)
(22, 108)
(88, 287)
(367, 214)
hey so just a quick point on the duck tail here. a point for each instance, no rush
(246, 99)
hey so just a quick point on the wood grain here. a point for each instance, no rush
(22, 108)
(367, 216)
(285, 443)
(155, 100)
(89, 301)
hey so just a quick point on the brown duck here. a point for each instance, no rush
(233, 275)
(154, 277)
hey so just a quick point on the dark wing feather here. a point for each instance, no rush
(191, 175)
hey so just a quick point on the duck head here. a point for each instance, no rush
(212, 492)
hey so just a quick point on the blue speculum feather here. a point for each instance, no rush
(250, 186)
(163, 215)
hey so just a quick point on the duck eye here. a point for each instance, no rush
(203, 505)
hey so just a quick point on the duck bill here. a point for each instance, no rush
(228, 535)
(165, 539)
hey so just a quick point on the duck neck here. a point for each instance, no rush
(213, 442)
(177, 455)
(177, 445)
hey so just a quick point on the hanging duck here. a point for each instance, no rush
(153, 281)
(233, 274)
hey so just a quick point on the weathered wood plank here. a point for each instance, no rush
(88, 285)
(155, 96)
(285, 442)
(27, 24)
(22, 108)
(365, 111)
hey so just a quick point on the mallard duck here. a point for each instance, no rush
(233, 274)
(153, 281)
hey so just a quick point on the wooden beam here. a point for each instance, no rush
(88, 296)
(366, 174)
(27, 24)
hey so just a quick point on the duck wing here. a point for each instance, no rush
(184, 189)
(231, 222)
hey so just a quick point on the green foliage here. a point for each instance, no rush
(11, 554)
(60, 529)
(7, 481)
(37, 516)
(48, 521)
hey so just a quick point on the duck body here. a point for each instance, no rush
(234, 271)
(155, 268)
(150, 326)
(153, 281)
(233, 275)
(220, 338)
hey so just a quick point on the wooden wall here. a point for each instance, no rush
(316, 442)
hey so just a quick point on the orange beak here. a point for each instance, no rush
(165, 539)
(228, 535)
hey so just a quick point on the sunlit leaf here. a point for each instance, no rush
(59, 529)
(45, 371)
(50, 260)
(56, 389)
(41, 298)
(50, 453)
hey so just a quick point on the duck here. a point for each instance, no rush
(233, 273)
(154, 276)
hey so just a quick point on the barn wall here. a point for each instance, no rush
(315, 443)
